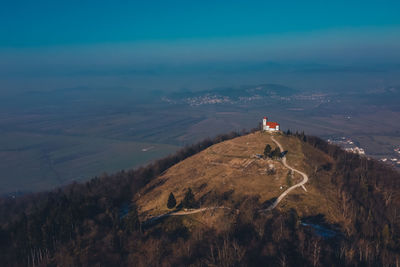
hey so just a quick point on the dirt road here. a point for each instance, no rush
(284, 194)
(181, 213)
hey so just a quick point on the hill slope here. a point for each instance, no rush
(232, 169)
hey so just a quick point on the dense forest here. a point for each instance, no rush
(97, 223)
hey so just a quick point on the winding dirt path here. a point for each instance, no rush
(284, 194)
(181, 213)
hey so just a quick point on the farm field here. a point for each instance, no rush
(34, 162)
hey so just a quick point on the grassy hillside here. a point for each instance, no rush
(232, 169)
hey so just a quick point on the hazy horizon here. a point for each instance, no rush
(179, 45)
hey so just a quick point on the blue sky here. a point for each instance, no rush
(28, 23)
(67, 38)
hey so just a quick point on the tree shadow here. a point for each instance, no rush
(268, 203)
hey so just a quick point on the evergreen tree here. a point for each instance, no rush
(276, 153)
(188, 201)
(267, 150)
(171, 201)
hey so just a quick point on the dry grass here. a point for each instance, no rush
(320, 197)
(232, 167)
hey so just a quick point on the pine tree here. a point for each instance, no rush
(188, 201)
(267, 150)
(276, 153)
(171, 201)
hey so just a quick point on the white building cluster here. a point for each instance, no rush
(270, 126)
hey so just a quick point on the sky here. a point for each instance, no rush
(45, 43)
(46, 23)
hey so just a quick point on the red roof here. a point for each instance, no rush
(272, 124)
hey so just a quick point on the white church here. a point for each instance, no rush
(269, 125)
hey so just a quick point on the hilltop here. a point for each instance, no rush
(344, 214)
(229, 173)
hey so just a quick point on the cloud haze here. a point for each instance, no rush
(140, 45)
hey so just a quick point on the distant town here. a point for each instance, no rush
(393, 159)
(349, 145)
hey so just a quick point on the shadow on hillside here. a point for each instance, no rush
(268, 203)
(320, 227)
